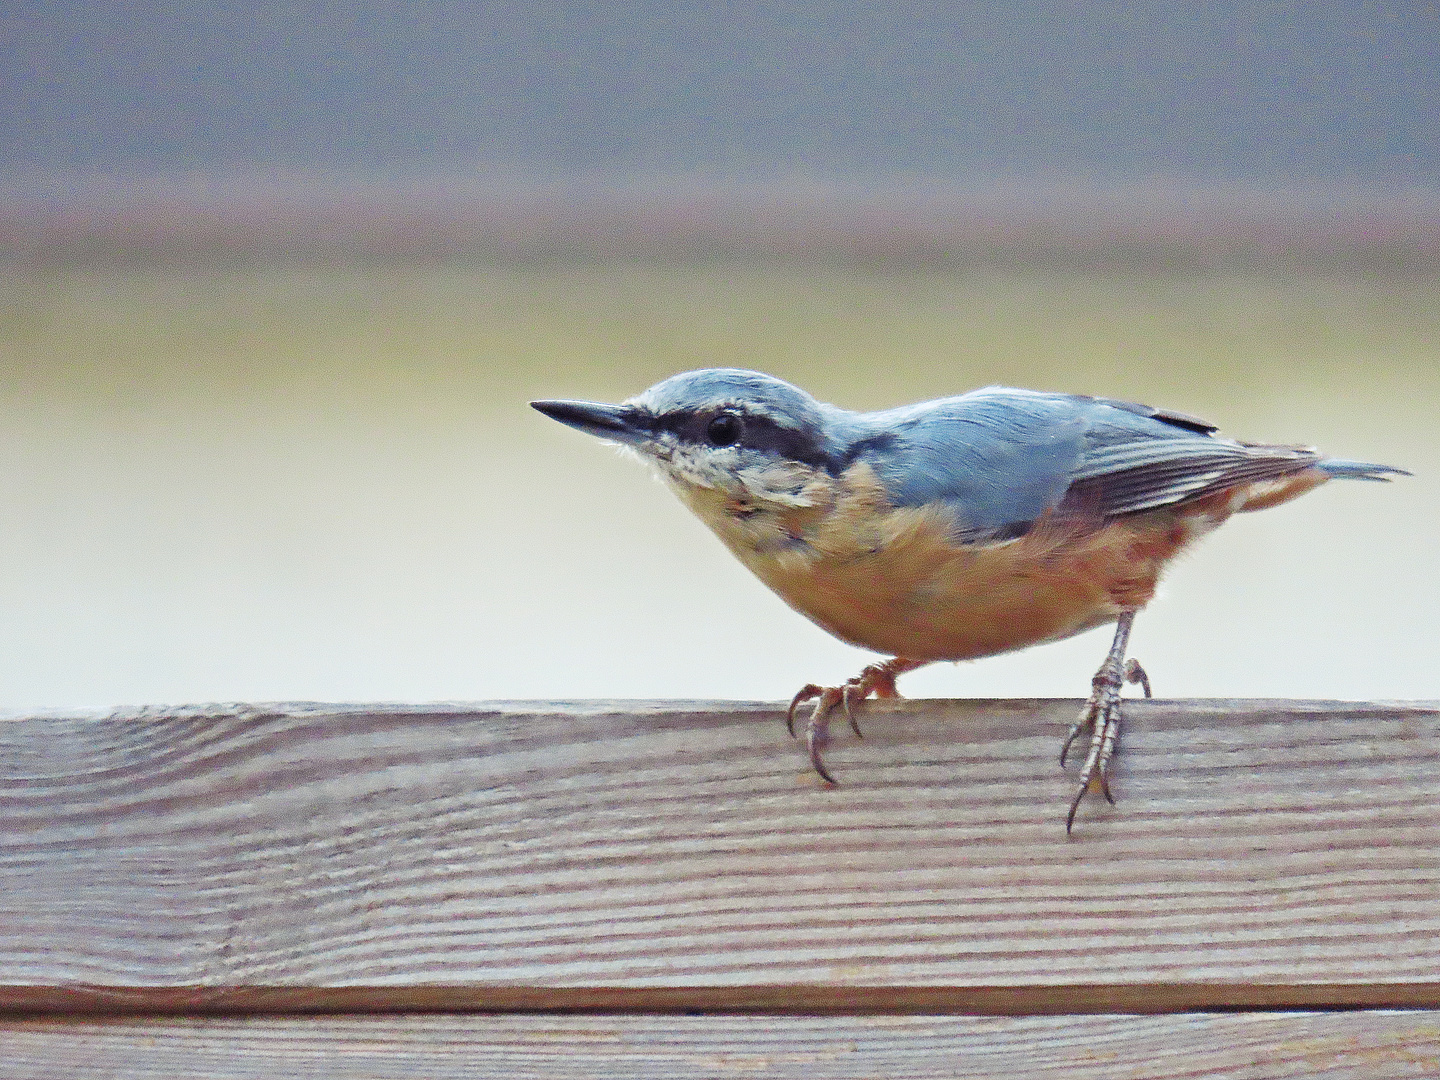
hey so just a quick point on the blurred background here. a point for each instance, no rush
(276, 283)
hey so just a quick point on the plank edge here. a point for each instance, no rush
(87, 1000)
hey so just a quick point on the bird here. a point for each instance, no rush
(957, 528)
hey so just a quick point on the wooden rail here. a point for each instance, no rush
(178, 888)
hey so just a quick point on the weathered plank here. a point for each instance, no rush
(670, 845)
(1339, 1046)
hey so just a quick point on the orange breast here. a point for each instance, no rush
(925, 598)
(895, 582)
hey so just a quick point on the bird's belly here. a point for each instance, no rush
(924, 597)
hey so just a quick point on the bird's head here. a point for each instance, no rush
(739, 434)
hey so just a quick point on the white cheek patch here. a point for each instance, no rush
(739, 473)
(700, 468)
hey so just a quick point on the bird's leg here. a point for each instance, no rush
(877, 679)
(1102, 715)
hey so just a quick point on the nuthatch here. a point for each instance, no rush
(957, 528)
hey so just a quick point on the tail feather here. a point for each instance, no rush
(1358, 470)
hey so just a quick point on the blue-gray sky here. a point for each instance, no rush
(1296, 90)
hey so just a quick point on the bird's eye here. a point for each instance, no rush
(724, 430)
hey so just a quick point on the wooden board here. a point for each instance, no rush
(672, 845)
(1257, 1046)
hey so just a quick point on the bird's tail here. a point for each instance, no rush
(1358, 470)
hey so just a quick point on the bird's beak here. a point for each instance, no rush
(618, 423)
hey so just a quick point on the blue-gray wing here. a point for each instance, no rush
(997, 459)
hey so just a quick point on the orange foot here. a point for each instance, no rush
(877, 679)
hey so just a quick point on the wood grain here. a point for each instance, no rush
(1339, 1046)
(655, 845)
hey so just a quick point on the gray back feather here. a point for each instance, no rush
(999, 458)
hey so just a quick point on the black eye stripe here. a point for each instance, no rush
(756, 432)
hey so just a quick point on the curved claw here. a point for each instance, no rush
(1075, 730)
(1074, 806)
(808, 691)
(1100, 778)
(852, 688)
(1135, 675)
(816, 739)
